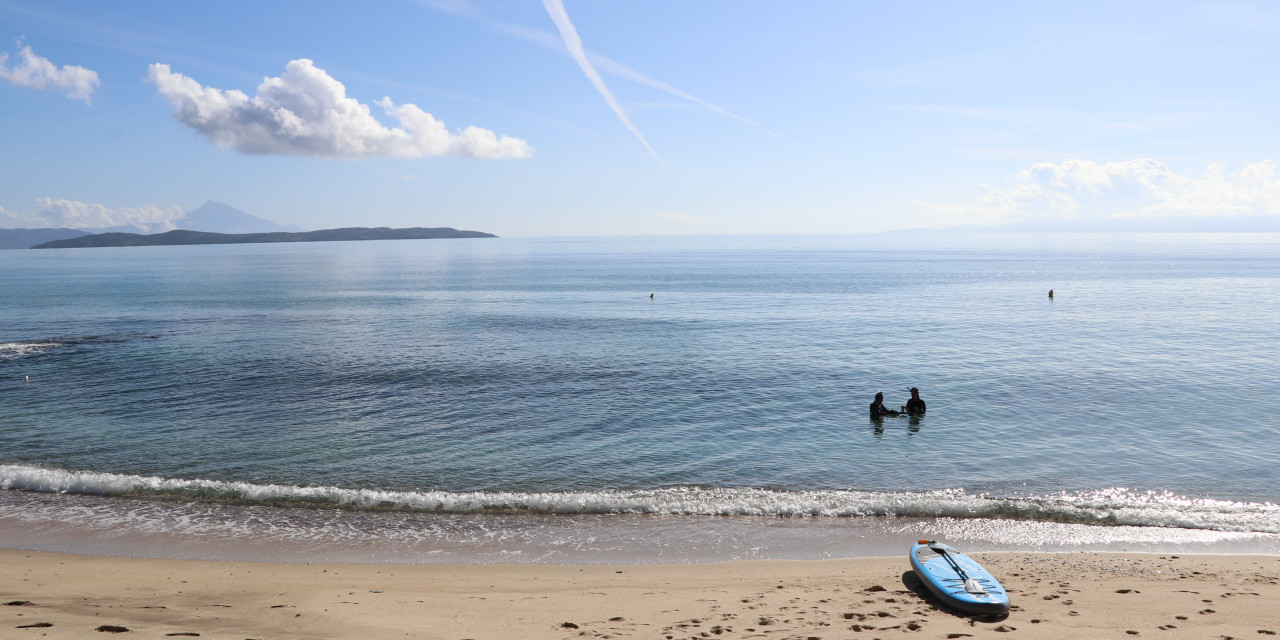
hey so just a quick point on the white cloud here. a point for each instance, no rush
(38, 73)
(306, 112)
(80, 215)
(555, 9)
(19, 220)
(1142, 187)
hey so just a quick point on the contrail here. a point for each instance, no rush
(555, 8)
(464, 9)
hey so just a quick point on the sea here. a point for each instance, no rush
(634, 400)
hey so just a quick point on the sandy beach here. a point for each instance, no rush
(1054, 596)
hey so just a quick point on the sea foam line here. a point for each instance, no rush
(11, 350)
(1116, 506)
(21, 348)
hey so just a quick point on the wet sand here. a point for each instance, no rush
(1059, 595)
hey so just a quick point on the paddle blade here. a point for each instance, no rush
(973, 587)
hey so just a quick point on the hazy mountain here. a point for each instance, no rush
(216, 217)
(27, 238)
(187, 237)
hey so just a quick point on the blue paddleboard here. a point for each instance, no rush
(957, 580)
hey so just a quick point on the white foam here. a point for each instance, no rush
(97, 525)
(1115, 506)
(11, 350)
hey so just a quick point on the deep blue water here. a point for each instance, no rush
(537, 375)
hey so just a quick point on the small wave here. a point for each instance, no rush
(12, 350)
(21, 348)
(1117, 506)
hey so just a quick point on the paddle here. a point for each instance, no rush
(970, 585)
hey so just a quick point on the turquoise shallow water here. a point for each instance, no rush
(529, 378)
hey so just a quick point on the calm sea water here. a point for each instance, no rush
(528, 396)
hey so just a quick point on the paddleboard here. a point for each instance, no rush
(957, 579)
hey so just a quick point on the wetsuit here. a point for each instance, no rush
(878, 409)
(915, 407)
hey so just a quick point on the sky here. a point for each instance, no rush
(589, 118)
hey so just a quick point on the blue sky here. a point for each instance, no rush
(731, 116)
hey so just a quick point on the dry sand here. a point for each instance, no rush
(1081, 595)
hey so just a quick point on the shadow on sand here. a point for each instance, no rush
(913, 582)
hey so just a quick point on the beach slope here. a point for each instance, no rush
(1054, 596)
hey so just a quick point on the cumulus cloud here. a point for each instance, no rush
(306, 112)
(19, 220)
(36, 72)
(1142, 187)
(81, 215)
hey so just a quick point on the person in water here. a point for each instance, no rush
(878, 410)
(915, 406)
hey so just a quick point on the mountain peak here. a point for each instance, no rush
(219, 217)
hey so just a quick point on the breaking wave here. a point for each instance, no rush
(12, 350)
(1114, 507)
(20, 348)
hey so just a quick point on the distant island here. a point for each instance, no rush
(188, 237)
(210, 223)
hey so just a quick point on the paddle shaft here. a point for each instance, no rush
(954, 565)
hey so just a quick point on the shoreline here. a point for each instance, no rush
(1054, 595)
(112, 526)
